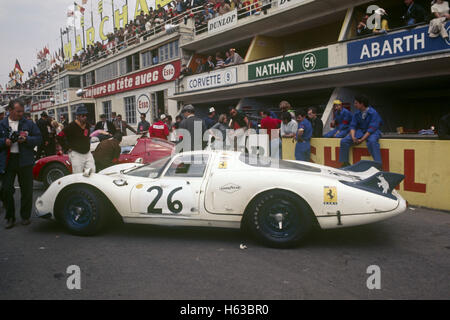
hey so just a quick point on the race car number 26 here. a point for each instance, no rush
(175, 206)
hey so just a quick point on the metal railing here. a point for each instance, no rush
(170, 25)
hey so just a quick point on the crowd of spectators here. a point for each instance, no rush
(437, 16)
(157, 20)
(212, 63)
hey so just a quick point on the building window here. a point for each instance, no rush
(107, 72)
(88, 79)
(107, 109)
(147, 59)
(168, 51)
(130, 110)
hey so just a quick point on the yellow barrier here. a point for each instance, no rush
(425, 164)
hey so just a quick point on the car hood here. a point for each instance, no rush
(118, 168)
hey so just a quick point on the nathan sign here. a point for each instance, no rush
(223, 22)
(297, 63)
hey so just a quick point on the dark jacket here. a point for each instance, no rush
(189, 125)
(105, 153)
(26, 150)
(317, 126)
(444, 127)
(416, 12)
(125, 126)
(43, 127)
(109, 124)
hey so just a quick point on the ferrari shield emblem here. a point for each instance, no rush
(223, 165)
(330, 196)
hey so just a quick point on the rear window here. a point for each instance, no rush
(264, 162)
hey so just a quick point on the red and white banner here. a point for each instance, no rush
(149, 77)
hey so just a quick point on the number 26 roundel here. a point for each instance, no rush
(163, 199)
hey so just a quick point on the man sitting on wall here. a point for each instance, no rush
(365, 126)
(341, 122)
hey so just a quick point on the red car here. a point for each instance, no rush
(50, 169)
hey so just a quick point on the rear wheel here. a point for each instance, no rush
(280, 219)
(53, 172)
(83, 211)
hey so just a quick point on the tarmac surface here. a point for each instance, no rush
(148, 262)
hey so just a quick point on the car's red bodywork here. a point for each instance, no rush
(149, 149)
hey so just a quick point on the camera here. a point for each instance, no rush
(14, 136)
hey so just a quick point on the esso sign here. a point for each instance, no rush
(143, 104)
(168, 72)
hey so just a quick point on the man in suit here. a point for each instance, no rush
(105, 125)
(18, 138)
(43, 127)
(195, 126)
(122, 126)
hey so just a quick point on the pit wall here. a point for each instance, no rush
(425, 165)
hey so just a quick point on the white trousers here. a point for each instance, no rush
(81, 161)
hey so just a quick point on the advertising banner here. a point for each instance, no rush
(303, 62)
(146, 78)
(396, 45)
(212, 79)
(223, 22)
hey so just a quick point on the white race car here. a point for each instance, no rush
(278, 201)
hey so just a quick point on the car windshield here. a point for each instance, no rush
(151, 170)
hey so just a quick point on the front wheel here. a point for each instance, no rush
(53, 172)
(280, 219)
(82, 211)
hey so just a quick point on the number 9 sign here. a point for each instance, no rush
(309, 62)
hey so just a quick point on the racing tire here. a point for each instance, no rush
(280, 219)
(83, 211)
(53, 172)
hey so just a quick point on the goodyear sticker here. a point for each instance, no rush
(223, 164)
(330, 196)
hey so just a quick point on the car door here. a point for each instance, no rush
(176, 193)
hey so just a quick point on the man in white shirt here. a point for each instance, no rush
(18, 138)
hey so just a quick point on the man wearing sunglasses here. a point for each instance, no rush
(75, 140)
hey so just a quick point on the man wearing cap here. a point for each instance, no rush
(210, 120)
(105, 125)
(75, 139)
(195, 126)
(341, 123)
(143, 126)
(159, 129)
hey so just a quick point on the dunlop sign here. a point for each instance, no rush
(223, 22)
(303, 62)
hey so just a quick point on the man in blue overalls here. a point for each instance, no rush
(341, 122)
(304, 134)
(365, 126)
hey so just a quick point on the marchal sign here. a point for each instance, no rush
(223, 22)
(143, 104)
(303, 62)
